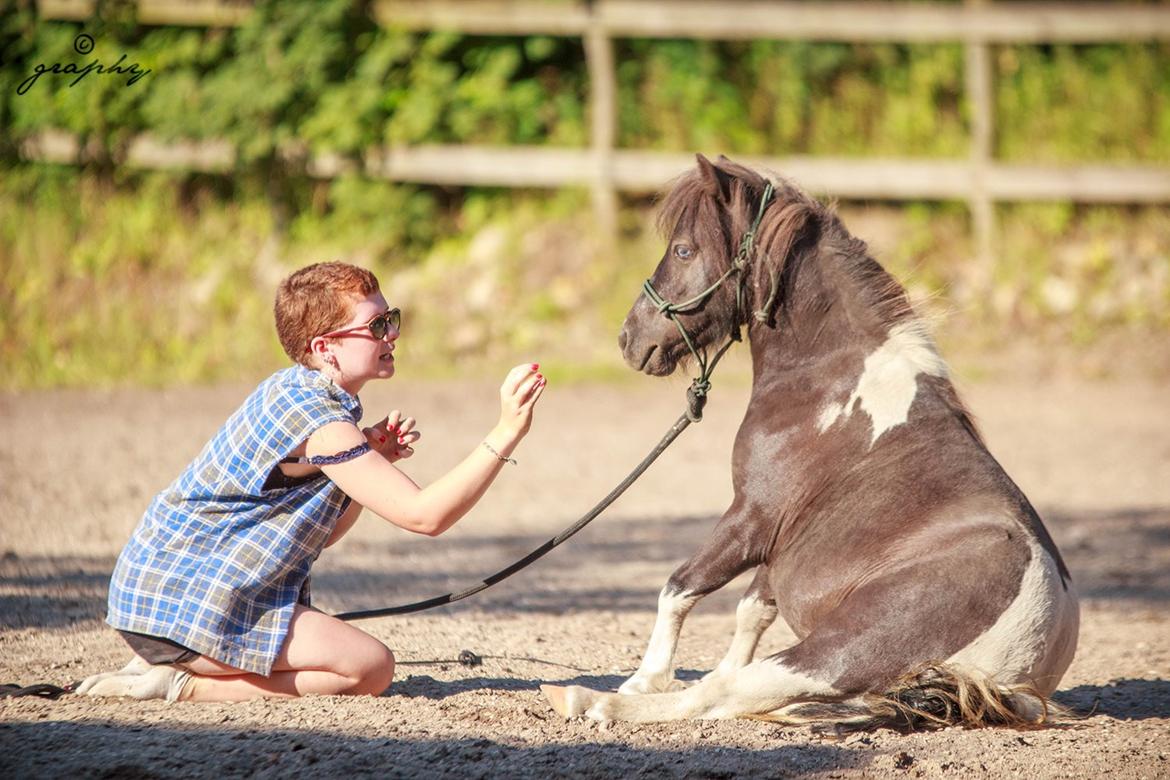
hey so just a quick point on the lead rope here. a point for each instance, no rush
(679, 426)
(696, 400)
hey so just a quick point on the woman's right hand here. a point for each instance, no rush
(519, 393)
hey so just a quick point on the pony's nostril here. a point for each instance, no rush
(623, 337)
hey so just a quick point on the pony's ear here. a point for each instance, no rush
(716, 182)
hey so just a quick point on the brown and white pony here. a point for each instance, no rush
(921, 584)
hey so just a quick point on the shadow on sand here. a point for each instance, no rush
(1117, 555)
(1121, 699)
(99, 749)
(424, 686)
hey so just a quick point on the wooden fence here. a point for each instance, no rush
(978, 24)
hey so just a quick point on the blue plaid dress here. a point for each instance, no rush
(218, 562)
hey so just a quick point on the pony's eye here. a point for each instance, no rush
(682, 251)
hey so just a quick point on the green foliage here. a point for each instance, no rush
(1079, 271)
(781, 97)
(1075, 103)
(307, 71)
(112, 275)
(106, 284)
(324, 74)
(391, 224)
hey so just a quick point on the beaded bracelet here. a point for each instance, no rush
(492, 450)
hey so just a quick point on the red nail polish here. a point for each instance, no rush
(381, 439)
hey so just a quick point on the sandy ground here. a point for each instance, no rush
(78, 468)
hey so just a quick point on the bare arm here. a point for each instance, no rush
(373, 482)
(391, 438)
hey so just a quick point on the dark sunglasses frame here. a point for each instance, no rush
(378, 325)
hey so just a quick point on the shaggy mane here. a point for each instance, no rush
(795, 229)
(794, 226)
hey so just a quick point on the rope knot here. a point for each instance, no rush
(697, 399)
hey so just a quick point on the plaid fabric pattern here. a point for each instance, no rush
(218, 562)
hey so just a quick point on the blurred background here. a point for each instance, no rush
(496, 163)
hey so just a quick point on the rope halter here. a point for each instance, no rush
(701, 385)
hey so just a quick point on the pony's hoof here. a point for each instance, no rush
(556, 698)
(568, 700)
(638, 685)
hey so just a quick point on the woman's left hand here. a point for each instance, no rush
(393, 436)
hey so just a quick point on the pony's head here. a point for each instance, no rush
(704, 217)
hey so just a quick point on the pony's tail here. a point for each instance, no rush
(933, 696)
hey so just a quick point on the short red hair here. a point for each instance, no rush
(317, 299)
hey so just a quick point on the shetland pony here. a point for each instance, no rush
(920, 583)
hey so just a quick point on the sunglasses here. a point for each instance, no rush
(378, 326)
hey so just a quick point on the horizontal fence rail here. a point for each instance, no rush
(828, 21)
(641, 172)
(977, 24)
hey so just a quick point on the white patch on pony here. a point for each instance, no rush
(656, 672)
(752, 619)
(829, 416)
(1033, 641)
(889, 379)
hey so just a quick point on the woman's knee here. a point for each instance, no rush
(376, 671)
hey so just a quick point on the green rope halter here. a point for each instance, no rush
(701, 385)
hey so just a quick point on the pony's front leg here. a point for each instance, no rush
(656, 672)
(755, 612)
(764, 686)
(714, 565)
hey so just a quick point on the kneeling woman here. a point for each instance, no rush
(211, 592)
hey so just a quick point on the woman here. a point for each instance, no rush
(211, 592)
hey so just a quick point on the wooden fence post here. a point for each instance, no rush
(981, 98)
(603, 131)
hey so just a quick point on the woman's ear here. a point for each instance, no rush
(319, 350)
